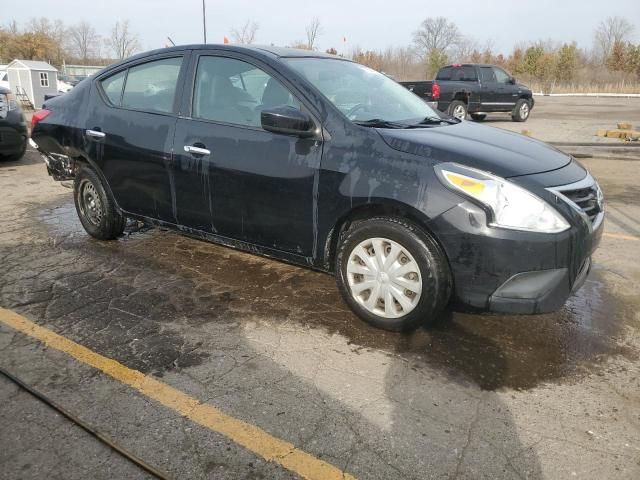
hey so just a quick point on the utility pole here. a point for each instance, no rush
(204, 22)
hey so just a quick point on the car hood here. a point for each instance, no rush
(503, 153)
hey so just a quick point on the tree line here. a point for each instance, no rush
(613, 62)
(56, 42)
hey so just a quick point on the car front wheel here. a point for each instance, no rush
(96, 209)
(392, 274)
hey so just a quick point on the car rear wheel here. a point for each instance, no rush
(96, 209)
(478, 117)
(392, 274)
(521, 111)
(458, 109)
(14, 157)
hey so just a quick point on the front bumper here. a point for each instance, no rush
(539, 291)
(514, 272)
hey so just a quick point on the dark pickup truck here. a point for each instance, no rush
(475, 89)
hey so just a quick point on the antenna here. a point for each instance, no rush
(172, 42)
(204, 22)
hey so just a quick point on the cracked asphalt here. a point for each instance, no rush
(551, 396)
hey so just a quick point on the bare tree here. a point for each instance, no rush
(55, 31)
(610, 31)
(435, 35)
(313, 30)
(84, 40)
(246, 34)
(122, 41)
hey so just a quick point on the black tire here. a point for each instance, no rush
(101, 219)
(14, 157)
(456, 109)
(478, 117)
(521, 111)
(433, 268)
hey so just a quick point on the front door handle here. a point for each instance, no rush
(196, 150)
(95, 134)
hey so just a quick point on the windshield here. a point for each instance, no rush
(361, 93)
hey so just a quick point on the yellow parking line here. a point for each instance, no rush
(620, 236)
(249, 436)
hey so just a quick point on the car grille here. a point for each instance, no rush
(585, 195)
(586, 199)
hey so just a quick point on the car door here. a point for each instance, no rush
(506, 91)
(129, 133)
(488, 89)
(234, 178)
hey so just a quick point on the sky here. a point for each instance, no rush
(368, 24)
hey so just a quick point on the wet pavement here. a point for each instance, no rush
(550, 396)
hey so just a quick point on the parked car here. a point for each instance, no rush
(4, 80)
(325, 163)
(13, 127)
(477, 90)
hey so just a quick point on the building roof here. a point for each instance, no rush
(32, 65)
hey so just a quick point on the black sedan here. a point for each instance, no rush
(13, 127)
(323, 162)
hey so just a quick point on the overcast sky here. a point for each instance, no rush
(369, 24)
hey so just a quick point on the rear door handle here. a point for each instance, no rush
(95, 134)
(196, 150)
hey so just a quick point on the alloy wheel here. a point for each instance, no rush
(459, 112)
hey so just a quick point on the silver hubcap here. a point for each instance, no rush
(459, 112)
(384, 277)
(90, 204)
(524, 110)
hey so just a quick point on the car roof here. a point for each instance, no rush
(458, 65)
(269, 49)
(265, 51)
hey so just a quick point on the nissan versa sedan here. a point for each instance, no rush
(319, 161)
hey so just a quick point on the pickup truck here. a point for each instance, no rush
(475, 90)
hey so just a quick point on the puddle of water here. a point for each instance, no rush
(222, 285)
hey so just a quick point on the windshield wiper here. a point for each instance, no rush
(437, 121)
(380, 123)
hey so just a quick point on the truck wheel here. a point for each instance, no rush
(478, 117)
(392, 274)
(458, 109)
(521, 111)
(96, 209)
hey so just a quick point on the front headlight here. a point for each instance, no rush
(511, 206)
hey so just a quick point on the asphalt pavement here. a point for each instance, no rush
(212, 363)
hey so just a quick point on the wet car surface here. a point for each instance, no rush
(549, 396)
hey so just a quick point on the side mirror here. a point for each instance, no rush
(512, 80)
(287, 120)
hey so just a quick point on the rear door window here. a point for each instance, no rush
(486, 75)
(152, 86)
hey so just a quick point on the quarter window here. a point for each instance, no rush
(232, 91)
(152, 86)
(112, 87)
(44, 79)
